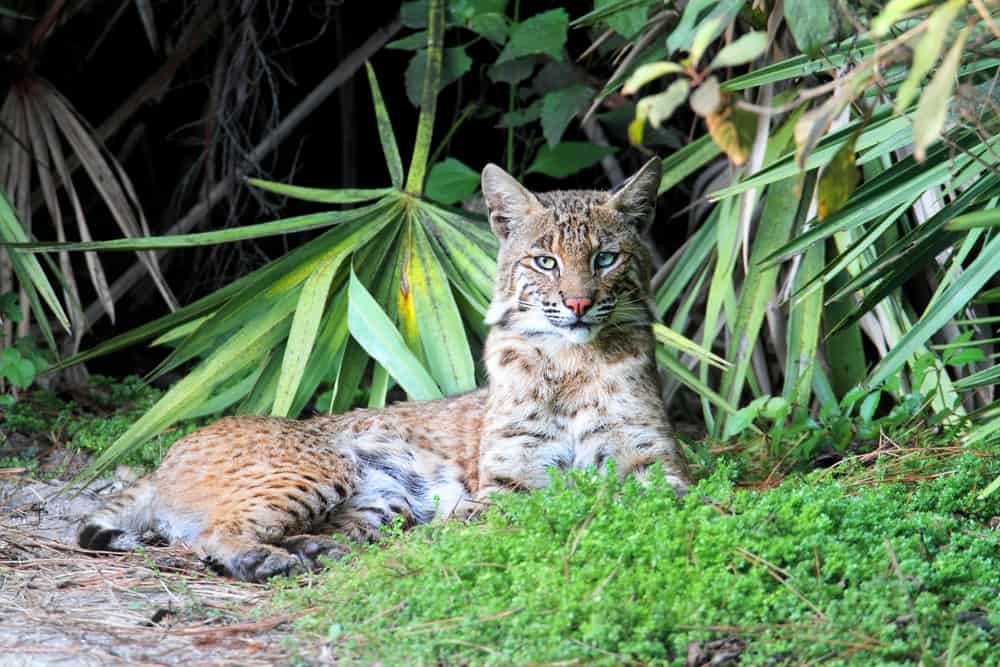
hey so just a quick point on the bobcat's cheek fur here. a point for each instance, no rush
(573, 383)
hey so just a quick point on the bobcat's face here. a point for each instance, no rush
(571, 263)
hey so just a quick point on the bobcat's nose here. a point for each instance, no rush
(578, 304)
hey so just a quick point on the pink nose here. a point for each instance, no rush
(578, 304)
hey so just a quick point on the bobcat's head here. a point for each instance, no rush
(572, 262)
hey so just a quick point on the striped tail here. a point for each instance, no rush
(121, 523)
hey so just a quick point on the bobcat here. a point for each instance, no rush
(573, 383)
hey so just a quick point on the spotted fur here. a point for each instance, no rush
(573, 383)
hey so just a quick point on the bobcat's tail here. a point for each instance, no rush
(121, 523)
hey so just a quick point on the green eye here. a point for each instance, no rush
(603, 260)
(545, 263)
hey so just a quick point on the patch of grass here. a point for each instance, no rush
(596, 571)
(88, 421)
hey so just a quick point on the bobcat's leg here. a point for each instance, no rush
(264, 528)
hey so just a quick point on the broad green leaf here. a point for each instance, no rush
(476, 265)
(927, 50)
(759, 286)
(733, 131)
(839, 179)
(16, 369)
(451, 181)
(559, 107)
(953, 300)
(625, 18)
(568, 158)
(660, 107)
(493, 26)
(511, 72)
(428, 102)
(707, 97)
(708, 31)
(348, 360)
(810, 22)
(803, 332)
(721, 288)
(179, 332)
(273, 282)
(414, 42)
(385, 133)
(643, 74)
(802, 336)
(455, 63)
(27, 268)
(933, 106)
(745, 49)
(229, 396)
(321, 195)
(543, 33)
(441, 332)
(891, 13)
(302, 336)
(370, 326)
(519, 117)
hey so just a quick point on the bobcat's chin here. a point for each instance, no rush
(580, 334)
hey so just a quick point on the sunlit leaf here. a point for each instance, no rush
(649, 72)
(370, 326)
(927, 50)
(660, 107)
(891, 13)
(707, 97)
(933, 105)
(745, 49)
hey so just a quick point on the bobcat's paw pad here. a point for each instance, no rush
(261, 564)
(309, 548)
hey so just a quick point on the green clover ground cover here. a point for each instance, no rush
(600, 572)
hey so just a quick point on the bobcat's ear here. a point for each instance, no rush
(636, 197)
(507, 200)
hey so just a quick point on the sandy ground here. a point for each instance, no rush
(60, 605)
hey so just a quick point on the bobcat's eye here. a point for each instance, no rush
(604, 259)
(545, 263)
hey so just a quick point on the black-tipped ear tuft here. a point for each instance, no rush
(636, 197)
(507, 200)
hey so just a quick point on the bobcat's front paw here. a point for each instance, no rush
(261, 563)
(309, 548)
